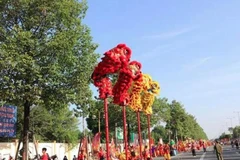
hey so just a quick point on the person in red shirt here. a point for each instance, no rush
(146, 153)
(160, 148)
(81, 155)
(101, 154)
(45, 155)
(204, 146)
(194, 147)
(166, 151)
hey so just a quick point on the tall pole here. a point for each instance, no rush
(139, 134)
(35, 145)
(87, 148)
(125, 130)
(83, 125)
(99, 122)
(177, 139)
(231, 121)
(18, 147)
(149, 135)
(169, 136)
(115, 135)
(238, 113)
(106, 127)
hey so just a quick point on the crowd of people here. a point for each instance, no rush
(166, 150)
(235, 142)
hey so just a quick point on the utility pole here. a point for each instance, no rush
(238, 113)
(83, 125)
(231, 121)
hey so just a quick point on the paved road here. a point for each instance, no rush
(228, 154)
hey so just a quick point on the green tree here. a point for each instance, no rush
(160, 113)
(96, 114)
(224, 135)
(194, 130)
(60, 125)
(178, 115)
(161, 110)
(236, 132)
(160, 132)
(47, 55)
(182, 124)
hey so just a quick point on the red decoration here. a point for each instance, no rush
(96, 142)
(112, 61)
(126, 76)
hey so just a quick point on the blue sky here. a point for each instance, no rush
(190, 47)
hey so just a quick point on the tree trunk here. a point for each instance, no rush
(26, 129)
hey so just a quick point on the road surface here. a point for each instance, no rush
(228, 154)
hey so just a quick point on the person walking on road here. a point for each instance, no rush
(204, 147)
(219, 150)
(232, 144)
(236, 143)
(193, 147)
(65, 158)
(74, 157)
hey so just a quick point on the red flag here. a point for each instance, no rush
(82, 145)
(96, 142)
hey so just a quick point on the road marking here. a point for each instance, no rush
(202, 157)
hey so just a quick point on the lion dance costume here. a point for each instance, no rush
(111, 63)
(151, 89)
(126, 77)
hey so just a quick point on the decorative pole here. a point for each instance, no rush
(139, 135)
(125, 131)
(149, 135)
(115, 61)
(106, 127)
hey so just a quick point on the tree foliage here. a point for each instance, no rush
(224, 135)
(160, 132)
(46, 55)
(177, 120)
(236, 132)
(182, 124)
(116, 117)
(49, 125)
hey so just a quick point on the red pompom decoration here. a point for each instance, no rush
(112, 62)
(126, 76)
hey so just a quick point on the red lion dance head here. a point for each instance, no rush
(125, 79)
(111, 63)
